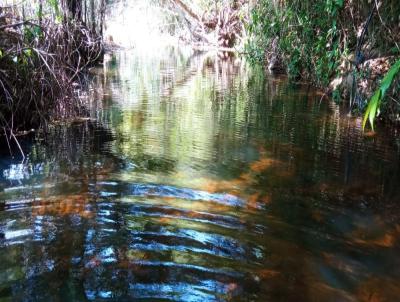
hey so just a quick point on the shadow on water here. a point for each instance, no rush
(206, 181)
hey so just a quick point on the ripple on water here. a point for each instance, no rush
(137, 246)
(202, 181)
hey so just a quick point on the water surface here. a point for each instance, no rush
(202, 180)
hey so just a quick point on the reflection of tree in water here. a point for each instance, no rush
(147, 207)
(55, 217)
(298, 147)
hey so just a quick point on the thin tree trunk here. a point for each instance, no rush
(40, 13)
(102, 16)
(75, 9)
(92, 15)
(187, 10)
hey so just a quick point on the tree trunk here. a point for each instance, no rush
(92, 15)
(75, 9)
(187, 10)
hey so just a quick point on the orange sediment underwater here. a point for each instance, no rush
(386, 240)
(262, 164)
(245, 182)
(378, 290)
(63, 205)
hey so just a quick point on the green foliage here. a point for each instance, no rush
(32, 32)
(336, 95)
(57, 12)
(309, 41)
(376, 100)
(37, 50)
(315, 38)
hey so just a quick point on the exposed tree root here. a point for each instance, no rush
(41, 69)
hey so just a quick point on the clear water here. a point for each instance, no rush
(202, 180)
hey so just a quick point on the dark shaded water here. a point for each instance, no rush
(202, 181)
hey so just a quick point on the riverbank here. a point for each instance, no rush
(44, 54)
(344, 47)
(211, 182)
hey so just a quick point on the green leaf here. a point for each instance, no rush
(374, 103)
(28, 52)
(339, 3)
(394, 50)
(388, 79)
(37, 31)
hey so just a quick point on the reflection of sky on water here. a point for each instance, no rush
(18, 172)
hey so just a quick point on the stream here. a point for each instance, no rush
(201, 180)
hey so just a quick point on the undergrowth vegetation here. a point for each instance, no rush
(344, 46)
(44, 48)
(308, 36)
